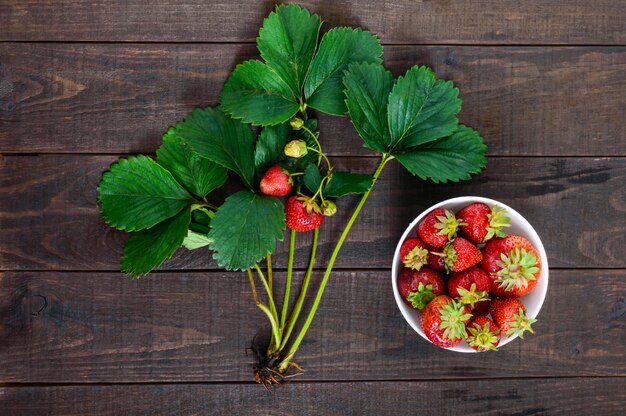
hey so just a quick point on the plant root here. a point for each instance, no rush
(266, 370)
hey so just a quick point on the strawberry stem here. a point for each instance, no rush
(284, 365)
(291, 322)
(275, 341)
(268, 291)
(292, 249)
(270, 280)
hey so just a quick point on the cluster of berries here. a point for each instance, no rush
(457, 281)
(302, 213)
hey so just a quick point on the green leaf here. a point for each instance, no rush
(138, 193)
(339, 47)
(270, 147)
(367, 88)
(452, 158)
(343, 183)
(196, 240)
(255, 94)
(287, 42)
(245, 228)
(312, 178)
(149, 248)
(421, 108)
(199, 175)
(219, 138)
(271, 144)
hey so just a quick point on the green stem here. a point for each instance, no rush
(294, 347)
(300, 301)
(292, 249)
(319, 146)
(275, 342)
(320, 155)
(269, 293)
(270, 280)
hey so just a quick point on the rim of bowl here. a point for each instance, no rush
(533, 301)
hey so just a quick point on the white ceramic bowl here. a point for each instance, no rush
(532, 301)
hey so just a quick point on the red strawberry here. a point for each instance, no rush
(435, 261)
(482, 223)
(482, 307)
(418, 287)
(461, 254)
(302, 214)
(414, 253)
(443, 321)
(514, 266)
(510, 316)
(483, 334)
(276, 181)
(437, 227)
(470, 286)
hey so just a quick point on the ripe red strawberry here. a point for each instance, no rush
(470, 286)
(483, 334)
(418, 287)
(510, 316)
(303, 214)
(482, 307)
(443, 321)
(514, 266)
(435, 261)
(414, 253)
(461, 254)
(482, 223)
(276, 181)
(438, 227)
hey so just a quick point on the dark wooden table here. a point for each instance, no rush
(82, 83)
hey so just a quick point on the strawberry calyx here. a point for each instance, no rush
(416, 258)
(497, 220)
(471, 297)
(310, 205)
(453, 318)
(521, 324)
(482, 338)
(448, 224)
(516, 269)
(420, 298)
(449, 255)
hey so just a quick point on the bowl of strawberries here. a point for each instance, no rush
(470, 274)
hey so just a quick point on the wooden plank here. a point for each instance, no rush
(580, 396)
(403, 21)
(49, 218)
(100, 327)
(110, 98)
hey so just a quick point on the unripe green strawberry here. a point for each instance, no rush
(296, 149)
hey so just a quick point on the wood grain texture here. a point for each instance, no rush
(122, 98)
(50, 220)
(400, 21)
(593, 396)
(101, 327)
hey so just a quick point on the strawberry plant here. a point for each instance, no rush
(168, 202)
